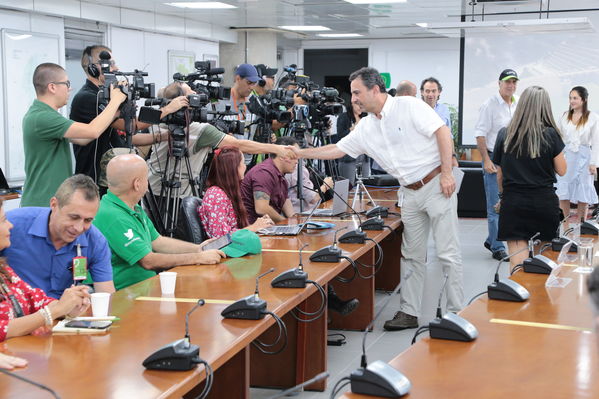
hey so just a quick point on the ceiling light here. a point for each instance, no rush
(375, 1)
(339, 35)
(304, 28)
(203, 5)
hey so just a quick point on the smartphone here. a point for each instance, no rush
(97, 325)
(219, 243)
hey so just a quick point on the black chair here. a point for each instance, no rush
(190, 227)
(471, 198)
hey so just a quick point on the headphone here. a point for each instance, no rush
(91, 68)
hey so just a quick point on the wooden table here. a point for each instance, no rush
(109, 366)
(541, 348)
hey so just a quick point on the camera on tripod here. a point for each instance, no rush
(202, 81)
(134, 91)
(196, 111)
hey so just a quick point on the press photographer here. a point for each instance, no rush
(199, 139)
(87, 104)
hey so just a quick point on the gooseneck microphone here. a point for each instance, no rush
(27, 380)
(272, 269)
(201, 302)
(378, 378)
(179, 355)
(251, 307)
(450, 326)
(537, 263)
(506, 289)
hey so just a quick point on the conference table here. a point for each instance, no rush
(109, 365)
(542, 348)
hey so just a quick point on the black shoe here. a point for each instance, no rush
(339, 305)
(499, 254)
(488, 246)
(401, 321)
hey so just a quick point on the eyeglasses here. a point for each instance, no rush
(67, 83)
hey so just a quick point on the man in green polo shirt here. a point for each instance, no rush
(46, 134)
(138, 250)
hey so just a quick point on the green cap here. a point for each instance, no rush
(243, 242)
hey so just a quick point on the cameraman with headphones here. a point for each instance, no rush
(86, 106)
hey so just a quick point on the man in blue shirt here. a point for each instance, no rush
(44, 241)
(430, 91)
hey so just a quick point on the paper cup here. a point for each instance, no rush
(100, 304)
(167, 282)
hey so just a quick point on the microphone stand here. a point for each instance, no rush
(300, 180)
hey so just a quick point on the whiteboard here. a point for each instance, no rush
(21, 53)
(556, 61)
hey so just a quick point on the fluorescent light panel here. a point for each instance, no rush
(339, 35)
(201, 5)
(304, 28)
(375, 1)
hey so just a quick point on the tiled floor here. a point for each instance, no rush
(479, 268)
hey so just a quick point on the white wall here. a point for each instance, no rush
(410, 59)
(149, 51)
(25, 22)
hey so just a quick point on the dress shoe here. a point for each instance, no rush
(401, 321)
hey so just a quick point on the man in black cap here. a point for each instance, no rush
(494, 114)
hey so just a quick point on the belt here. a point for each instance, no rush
(420, 183)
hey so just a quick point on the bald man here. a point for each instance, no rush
(138, 251)
(406, 88)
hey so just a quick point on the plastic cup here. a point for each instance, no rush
(100, 304)
(585, 254)
(168, 281)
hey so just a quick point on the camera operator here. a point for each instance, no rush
(246, 78)
(86, 105)
(203, 138)
(46, 134)
(263, 87)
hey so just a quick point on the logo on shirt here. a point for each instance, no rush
(129, 234)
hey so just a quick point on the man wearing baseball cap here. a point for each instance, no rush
(494, 114)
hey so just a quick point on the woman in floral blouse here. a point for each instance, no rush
(222, 209)
(24, 309)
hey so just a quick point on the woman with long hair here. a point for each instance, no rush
(222, 210)
(580, 129)
(528, 154)
(23, 309)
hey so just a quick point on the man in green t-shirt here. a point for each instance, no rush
(46, 134)
(138, 250)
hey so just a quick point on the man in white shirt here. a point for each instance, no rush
(409, 140)
(494, 114)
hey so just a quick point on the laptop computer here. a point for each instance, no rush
(290, 229)
(339, 206)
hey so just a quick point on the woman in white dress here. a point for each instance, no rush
(580, 130)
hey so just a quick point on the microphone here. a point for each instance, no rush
(105, 55)
(537, 263)
(292, 278)
(296, 388)
(251, 307)
(451, 326)
(27, 380)
(180, 355)
(506, 289)
(356, 236)
(379, 378)
(331, 253)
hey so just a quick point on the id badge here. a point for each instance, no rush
(79, 268)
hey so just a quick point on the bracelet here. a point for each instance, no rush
(45, 311)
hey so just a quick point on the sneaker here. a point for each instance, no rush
(488, 246)
(499, 254)
(401, 321)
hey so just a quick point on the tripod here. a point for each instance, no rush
(170, 192)
(360, 188)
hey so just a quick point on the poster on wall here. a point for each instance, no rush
(180, 62)
(22, 52)
(213, 58)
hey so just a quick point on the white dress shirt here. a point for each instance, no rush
(494, 114)
(402, 142)
(587, 135)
